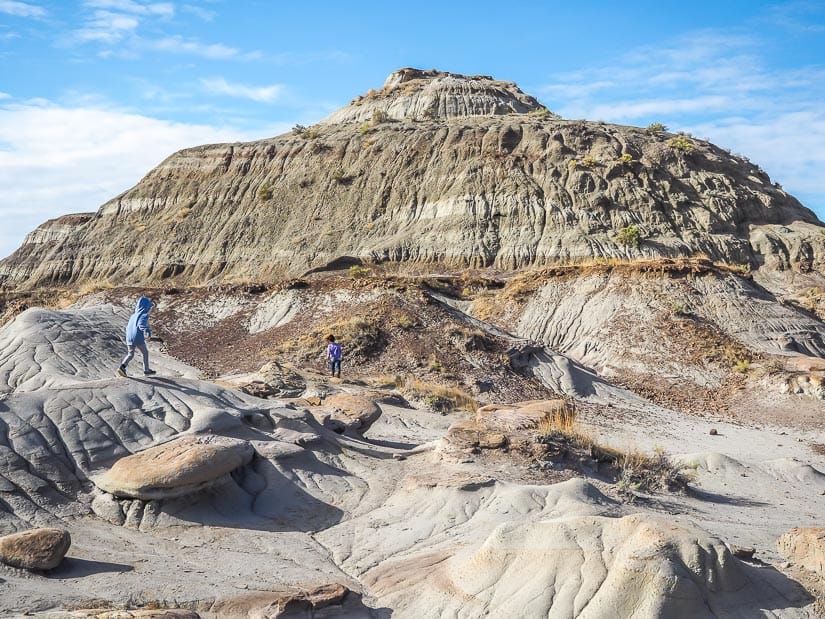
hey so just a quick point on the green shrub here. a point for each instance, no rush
(364, 128)
(629, 235)
(625, 158)
(742, 366)
(358, 272)
(379, 116)
(588, 162)
(265, 192)
(681, 143)
(656, 128)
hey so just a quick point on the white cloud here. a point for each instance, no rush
(263, 94)
(21, 9)
(178, 44)
(56, 160)
(202, 13)
(4, 95)
(107, 27)
(164, 9)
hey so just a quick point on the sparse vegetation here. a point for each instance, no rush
(184, 212)
(542, 114)
(630, 236)
(588, 162)
(356, 271)
(405, 322)
(434, 364)
(365, 128)
(379, 116)
(438, 397)
(625, 158)
(681, 143)
(265, 192)
(678, 309)
(656, 128)
(305, 132)
(742, 366)
(635, 472)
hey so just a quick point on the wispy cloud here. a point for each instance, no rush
(107, 27)
(165, 9)
(179, 45)
(263, 94)
(120, 27)
(21, 9)
(202, 13)
(4, 95)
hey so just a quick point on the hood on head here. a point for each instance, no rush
(144, 304)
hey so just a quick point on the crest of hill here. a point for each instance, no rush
(432, 168)
(416, 94)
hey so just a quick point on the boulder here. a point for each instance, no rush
(177, 468)
(37, 549)
(356, 411)
(805, 546)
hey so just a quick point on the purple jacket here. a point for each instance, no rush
(334, 351)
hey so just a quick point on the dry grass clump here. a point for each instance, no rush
(438, 397)
(634, 471)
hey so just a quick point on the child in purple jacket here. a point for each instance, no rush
(334, 356)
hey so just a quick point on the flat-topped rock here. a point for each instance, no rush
(177, 468)
(427, 95)
(37, 549)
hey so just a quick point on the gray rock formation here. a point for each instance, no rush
(487, 179)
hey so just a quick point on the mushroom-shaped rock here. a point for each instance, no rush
(177, 468)
(354, 410)
(37, 549)
(805, 546)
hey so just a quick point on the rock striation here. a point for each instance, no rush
(433, 167)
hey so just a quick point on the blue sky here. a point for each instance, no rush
(94, 93)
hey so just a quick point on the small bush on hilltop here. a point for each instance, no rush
(681, 143)
(656, 128)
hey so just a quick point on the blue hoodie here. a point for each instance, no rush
(138, 326)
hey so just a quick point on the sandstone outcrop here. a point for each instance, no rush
(350, 411)
(486, 177)
(177, 468)
(805, 547)
(37, 549)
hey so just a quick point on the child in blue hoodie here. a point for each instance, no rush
(137, 334)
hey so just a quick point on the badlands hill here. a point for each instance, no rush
(584, 377)
(432, 167)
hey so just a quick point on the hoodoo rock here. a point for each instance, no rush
(177, 468)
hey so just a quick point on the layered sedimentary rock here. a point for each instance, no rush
(466, 171)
